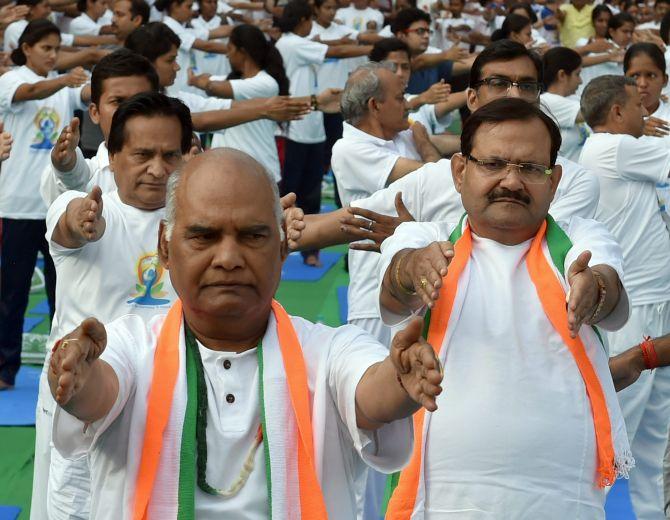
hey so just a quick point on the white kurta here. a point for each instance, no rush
(513, 436)
(335, 360)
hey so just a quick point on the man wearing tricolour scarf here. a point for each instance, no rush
(529, 425)
(228, 404)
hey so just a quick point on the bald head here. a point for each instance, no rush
(223, 166)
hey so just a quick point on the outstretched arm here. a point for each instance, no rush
(82, 221)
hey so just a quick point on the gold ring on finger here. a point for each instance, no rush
(424, 282)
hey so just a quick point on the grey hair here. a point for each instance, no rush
(362, 85)
(599, 96)
(174, 180)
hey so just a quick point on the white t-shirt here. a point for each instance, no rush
(35, 126)
(362, 164)
(302, 59)
(15, 29)
(185, 56)
(257, 138)
(564, 111)
(426, 115)
(85, 174)
(335, 359)
(335, 71)
(595, 71)
(513, 434)
(628, 170)
(358, 19)
(199, 103)
(116, 275)
(85, 25)
(210, 62)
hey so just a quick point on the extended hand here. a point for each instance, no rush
(656, 127)
(64, 155)
(329, 100)
(423, 269)
(373, 226)
(71, 359)
(584, 293)
(198, 80)
(283, 108)
(84, 216)
(75, 78)
(294, 220)
(437, 93)
(417, 365)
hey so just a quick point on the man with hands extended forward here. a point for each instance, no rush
(529, 426)
(205, 410)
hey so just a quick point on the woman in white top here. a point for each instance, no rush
(258, 72)
(561, 73)
(210, 62)
(304, 151)
(516, 28)
(177, 15)
(35, 105)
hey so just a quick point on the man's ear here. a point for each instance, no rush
(458, 163)
(471, 99)
(94, 113)
(616, 113)
(163, 255)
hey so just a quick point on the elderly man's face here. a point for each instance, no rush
(391, 111)
(225, 253)
(633, 113)
(505, 200)
(151, 152)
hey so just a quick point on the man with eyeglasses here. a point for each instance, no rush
(628, 165)
(529, 425)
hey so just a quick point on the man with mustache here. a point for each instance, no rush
(529, 426)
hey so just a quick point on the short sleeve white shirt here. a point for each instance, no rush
(302, 59)
(565, 110)
(628, 170)
(85, 25)
(35, 126)
(185, 56)
(334, 71)
(257, 138)
(358, 19)
(210, 62)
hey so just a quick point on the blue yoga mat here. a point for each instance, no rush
(30, 322)
(17, 406)
(343, 303)
(294, 270)
(41, 308)
(9, 512)
(327, 208)
(618, 505)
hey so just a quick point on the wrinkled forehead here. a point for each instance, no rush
(513, 140)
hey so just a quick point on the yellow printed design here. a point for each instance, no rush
(47, 122)
(149, 288)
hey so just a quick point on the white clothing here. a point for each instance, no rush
(335, 71)
(565, 111)
(362, 164)
(35, 126)
(257, 138)
(628, 170)
(185, 56)
(595, 71)
(85, 25)
(426, 115)
(656, 26)
(663, 188)
(646, 408)
(210, 62)
(302, 59)
(335, 360)
(513, 435)
(358, 19)
(15, 29)
(85, 174)
(199, 103)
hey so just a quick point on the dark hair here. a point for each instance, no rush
(598, 10)
(121, 63)
(383, 48)
(513, 23)
(502, 50)
(164, 5)
(29, 3)
(526, 7)
(406, 17)
(665, 28)
(149, 104)
(152, 40)
(599, 96)
(556, 59)
(319, 3)
(140, 8)
(618, 20)
(294, 12)
(34, 32)
(264, 54)
(81, 5)
(648, 49)
(508, 109)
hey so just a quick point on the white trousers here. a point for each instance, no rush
(646, 410)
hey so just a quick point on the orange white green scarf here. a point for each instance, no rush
(552, 243)
(165, 484)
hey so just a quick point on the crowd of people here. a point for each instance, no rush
(502, 172)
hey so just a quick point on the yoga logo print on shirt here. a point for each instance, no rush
(47, 122)
(149, 287)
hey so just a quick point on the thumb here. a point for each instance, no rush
(288, 200)
(581, 263)
(401, 209)
(98, 335)
(74, 124)
(96, 196)
(409, 335)
(447, 249)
